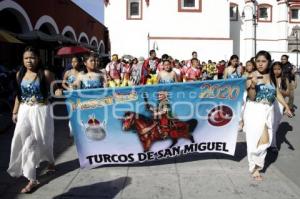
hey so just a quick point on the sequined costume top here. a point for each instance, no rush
(166, 80)
(31, 92)
(265, 93)
(91, 83)
(233, 75)
(71, 79)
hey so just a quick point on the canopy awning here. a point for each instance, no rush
(65, 40)
(37, 35)
(6, 37)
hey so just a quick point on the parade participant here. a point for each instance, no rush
(113, 72)
(97, 60)
(126, 70)
(33, 137)
(151, 64)
(283, 85)
(182, 63)
(289, 72)
(160, 66)
(136, 71)
(178, 70)
(204, 71)
(68, 83)
(193, 73)
(220, 69)
(250, 67)
(167, 75)
(91, 76)
(194, 56)
(232, 71)
(70, 75)
(211, 70)
(262, 92)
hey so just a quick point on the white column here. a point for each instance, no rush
(282, 25)
(248, 31)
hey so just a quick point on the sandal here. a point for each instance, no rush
(31, 186)
(258, 178)
(256, 174)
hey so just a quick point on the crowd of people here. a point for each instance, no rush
(268, 84)
(131, 71)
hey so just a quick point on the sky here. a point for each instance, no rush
(93, 7)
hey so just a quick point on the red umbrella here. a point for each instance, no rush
(72, 50)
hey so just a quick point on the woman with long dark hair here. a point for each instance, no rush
(91, 77)
(259, 113)
(232, 71)
(276, 74)
(71, 75)
(33, 137)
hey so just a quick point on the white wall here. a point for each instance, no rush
(162, 19)
(269, 35)
(207, 49)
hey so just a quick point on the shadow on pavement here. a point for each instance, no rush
(61, 169)
(283, 129)
(101, 190)
(61, 140)
(272, 156)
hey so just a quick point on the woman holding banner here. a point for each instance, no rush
(262, 93)
(233, 70)
(91, 77)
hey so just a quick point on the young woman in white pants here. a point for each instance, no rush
(259, 113)
(32, 142)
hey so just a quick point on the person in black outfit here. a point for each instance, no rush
(289, 73)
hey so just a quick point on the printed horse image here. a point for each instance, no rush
(149, 130)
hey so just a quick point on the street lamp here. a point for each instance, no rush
(254, 17)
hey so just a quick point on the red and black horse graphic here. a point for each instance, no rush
(150, 130)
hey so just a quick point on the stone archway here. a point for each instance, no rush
(69, 32)
(47, 25)
(83, 38)
(102, 47)
(19, 21)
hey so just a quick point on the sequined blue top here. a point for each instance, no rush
(233, 75)
(166, 80)
(91, 83)
(265, 93)
(71, 79)
(30, 92)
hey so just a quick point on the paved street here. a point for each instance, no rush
(193, 176)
